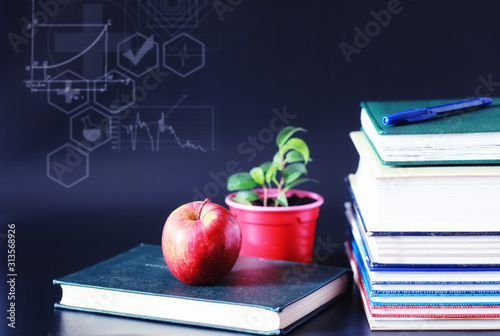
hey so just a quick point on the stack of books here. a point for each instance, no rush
(424, 222)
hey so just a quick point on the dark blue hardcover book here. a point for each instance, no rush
(410, 277)
(440, 287)
(260, 296)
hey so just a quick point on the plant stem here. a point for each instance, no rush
(282, 179)
(265, 194)
(207, 200)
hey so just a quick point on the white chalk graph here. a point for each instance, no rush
(157, 128)
(46, 68)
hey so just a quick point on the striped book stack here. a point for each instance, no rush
(424, 230)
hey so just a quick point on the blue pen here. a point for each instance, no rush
(415, 115)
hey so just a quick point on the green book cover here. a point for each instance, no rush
(482, 120)
(254, 297)
(467, 137)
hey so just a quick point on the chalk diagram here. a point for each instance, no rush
(90, 129)
(138, 54)
(86, 60)
(78, 49)
(183, 55)
(67, 91)
(151, 128)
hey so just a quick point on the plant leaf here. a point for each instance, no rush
(282, 199)
(286, 133)
(298, 145)
(271, 174)
(240, 181)
(293, 156)
(265, 166)
(258, 175)
(297, 182)
(248, 195)
(277, 161)
(241, 200)
(293, 172)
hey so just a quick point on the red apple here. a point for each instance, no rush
(201, 242)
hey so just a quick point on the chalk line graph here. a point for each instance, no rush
(161, 127)
(155, 128)
(42, 70)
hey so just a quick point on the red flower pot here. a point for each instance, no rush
(285, 233)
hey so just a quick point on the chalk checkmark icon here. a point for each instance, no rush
(143, 50)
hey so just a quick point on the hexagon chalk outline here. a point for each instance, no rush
(178, 52)
(75, 161)
(83, 128)
(62, 86)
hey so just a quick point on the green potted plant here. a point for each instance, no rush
(277, 221)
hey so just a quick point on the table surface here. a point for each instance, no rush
(56, 246)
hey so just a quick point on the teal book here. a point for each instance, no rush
(463, 137)
(261, 296)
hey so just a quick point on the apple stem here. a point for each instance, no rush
(207, 200)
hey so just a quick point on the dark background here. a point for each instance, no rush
(262, 56)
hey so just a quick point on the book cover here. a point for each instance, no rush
(433, 316)
(401, 236)
(454, 139)
(356, 236)
(425, 316)
(421, 288)
(368, 257)
(404, 211)
(390, 198)
(258, 296)
(482, 120)
(429, 309)
(377, 170)
(439, 248)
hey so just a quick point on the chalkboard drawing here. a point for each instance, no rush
(91, 132)
(68, 92)
(138, 54)
(90, 129)
(183, 55)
